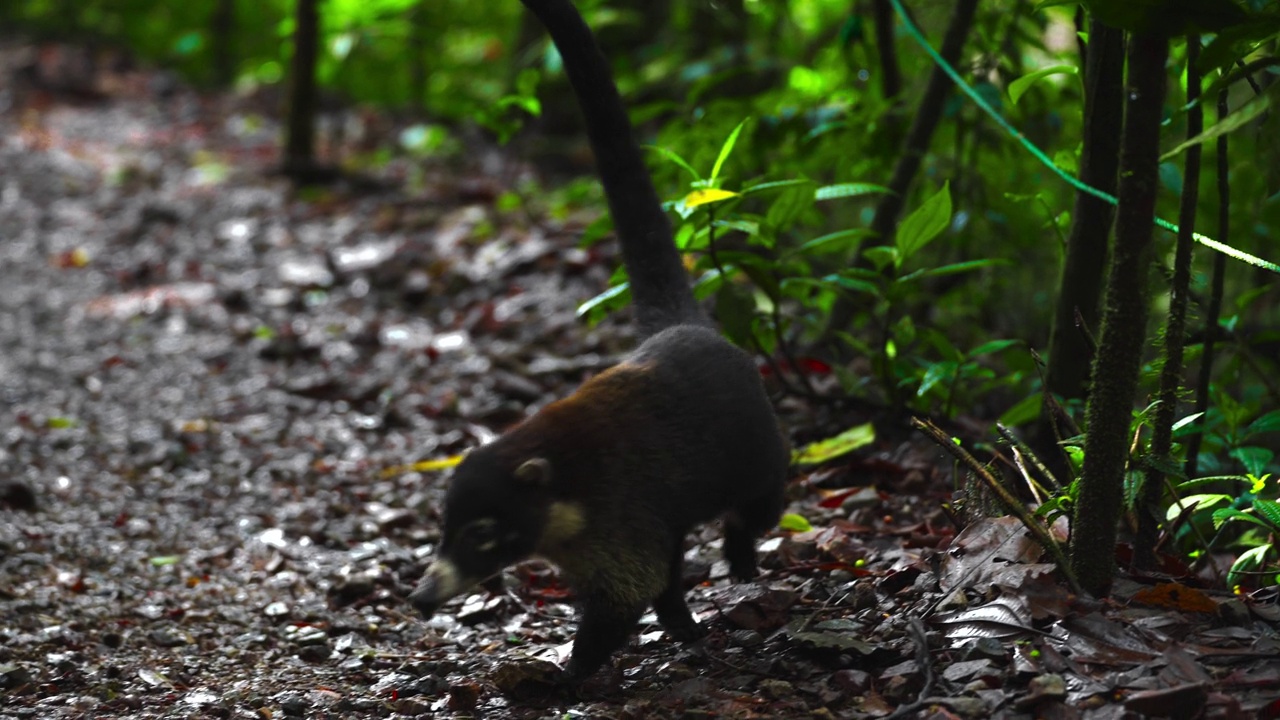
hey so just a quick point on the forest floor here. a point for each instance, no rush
(214, 387)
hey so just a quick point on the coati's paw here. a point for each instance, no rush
(686, 632)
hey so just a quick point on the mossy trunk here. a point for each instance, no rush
(1124, 322)
(1070, 344)
(1151, 508)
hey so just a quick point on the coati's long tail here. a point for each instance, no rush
(659, 285)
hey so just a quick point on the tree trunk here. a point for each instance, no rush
(1124, 322)
(1149, 505)
(1215, 298)
(890, 73)
(1070, 346)
(222, 29)
(299, 147)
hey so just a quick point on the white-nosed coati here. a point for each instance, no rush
(607, 482)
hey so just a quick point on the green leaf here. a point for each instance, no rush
(1212, 480)
(846, 442)
(1020, 86)
(1195, 502)
(993, 346)
(675, 159)
(735, 309)
(794, 523)
(60, 423)
(1027, 410)
(1250, 559)
(881, 256)
(924, 224)
(614, 297)
(843, 190)
(775, 185)
(839, 241)
(1254, 459)
(1230, 123)
(726, 149)
(786, 209)
(1270, 511)
(936, 373)
(165, 560)
(1186, 421)
(957, 268)
(1265, 424)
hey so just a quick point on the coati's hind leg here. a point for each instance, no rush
(670, 605)
(747, 521)
(603, 627)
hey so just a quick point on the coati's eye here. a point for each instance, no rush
(483, 534)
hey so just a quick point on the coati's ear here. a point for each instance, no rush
(534, 471)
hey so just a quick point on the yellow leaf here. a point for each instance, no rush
(706, 196)
(847, 441)
(423, 466)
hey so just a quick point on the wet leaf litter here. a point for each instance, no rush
(229, 410)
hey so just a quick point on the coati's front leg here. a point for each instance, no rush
(603, 626)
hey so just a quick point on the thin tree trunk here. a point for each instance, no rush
(915, 147)
(1070, 348)
(924, 123)
(222, 29)
(890, 73)
(1144, 545)
(1115, 371)
(299, 147)
(1215, 298)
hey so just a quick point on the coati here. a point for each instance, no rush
(607, 482)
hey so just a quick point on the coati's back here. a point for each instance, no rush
(607, 482)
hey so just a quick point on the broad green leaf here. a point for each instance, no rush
(1254, 459)
(1270, 510)
(745, 227)
(706, 196)
(1230, 123)
(1020, 86)
(843, 190)
(794, 523)
(1024, 412)
(924, 224)
(846, 442)
(1265, 424)
(726, 149)
(1249, 560)
(786, 209)
(1195, 502)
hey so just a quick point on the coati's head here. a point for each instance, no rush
(495, 514)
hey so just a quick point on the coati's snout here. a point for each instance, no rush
(438, 585)
(491, 520)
